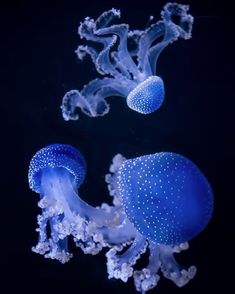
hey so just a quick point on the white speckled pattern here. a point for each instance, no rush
(165, 196)
(148, 96)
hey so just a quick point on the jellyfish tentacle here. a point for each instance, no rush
(53, 246)
(150, 35)
(97, 84)
(170, 268)
(120, 66)
(107, 17)
(91, 99)
(120, 235)
(82, 51)
(89, 30)
(123, 54)
(102, 60)
(178, 15)
(121, 266)
(147, 278)
(72, 204)
(43, 245)
(111, 178)
(73, 100)
(172, 30)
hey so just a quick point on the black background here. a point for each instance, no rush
(38, 39)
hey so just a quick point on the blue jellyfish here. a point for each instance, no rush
(127, 60)
(159, 201)
(56, 172)
(169, 201)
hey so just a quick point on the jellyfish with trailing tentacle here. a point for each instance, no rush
(160, 202)
(56, 172)
(127, 60)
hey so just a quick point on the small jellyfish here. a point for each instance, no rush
(127, 60)
(56, 172)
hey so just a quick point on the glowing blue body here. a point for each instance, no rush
(166, 196)
(56, 156)
(148, 96)
(129, 72)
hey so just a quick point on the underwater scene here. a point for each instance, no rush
(120, 159)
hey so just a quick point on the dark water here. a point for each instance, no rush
(39, 65)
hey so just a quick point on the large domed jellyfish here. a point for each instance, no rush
(127, 60)
(169, 201)
(56, 172)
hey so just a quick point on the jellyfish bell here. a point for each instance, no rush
(166, 197)
(148, 96)
(56, 158)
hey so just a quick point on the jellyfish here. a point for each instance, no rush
(159, 202)
(127, 61)
(169, 201)
(55, 173)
